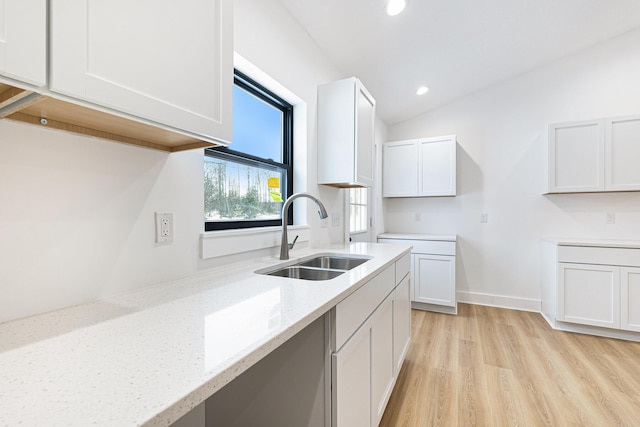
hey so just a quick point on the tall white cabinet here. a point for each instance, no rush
(23, 41)
(424, 167)
(592, 286)
(433, 270)
(594, 156)
(346, 120)
(145, 59)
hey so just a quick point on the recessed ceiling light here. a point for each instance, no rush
(422, 90)
(394, 7)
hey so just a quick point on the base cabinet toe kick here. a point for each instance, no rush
(592, 289)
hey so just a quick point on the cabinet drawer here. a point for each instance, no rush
(352, 312)
(600, 256)
(434, 247)
(403, 267)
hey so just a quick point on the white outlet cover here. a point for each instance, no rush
(164, 227)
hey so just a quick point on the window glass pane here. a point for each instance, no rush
(257, 126)
(236, 191)
(358, 216)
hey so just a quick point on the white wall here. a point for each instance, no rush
(502, 135)
(77, 213)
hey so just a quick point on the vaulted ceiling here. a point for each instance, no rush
(455, 47)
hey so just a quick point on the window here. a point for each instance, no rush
(246, 183)
(358, 216)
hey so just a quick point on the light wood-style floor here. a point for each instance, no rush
(495, 367)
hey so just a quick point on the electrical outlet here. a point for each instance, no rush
(484, 217)
(335, 220)
(611, 218)
(164, 227)
(418, 217)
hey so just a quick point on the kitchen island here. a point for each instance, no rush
(149, 357)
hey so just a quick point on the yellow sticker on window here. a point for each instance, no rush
(276, 196)
(273, 182)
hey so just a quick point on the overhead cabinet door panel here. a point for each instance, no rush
(436, 165)
(576, 153)
(23, 40)
(142, 57)
(623, 152)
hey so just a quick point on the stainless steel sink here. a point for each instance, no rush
(297, 272)
(334, 262)
(316, 267)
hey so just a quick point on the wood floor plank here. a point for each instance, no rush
(495, 367)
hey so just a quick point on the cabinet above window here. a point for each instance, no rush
(116, 71)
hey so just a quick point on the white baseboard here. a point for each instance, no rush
(514, 303)
(592, 330)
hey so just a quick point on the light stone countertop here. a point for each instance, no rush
(148, 357)
(603, 243)
(418, 236)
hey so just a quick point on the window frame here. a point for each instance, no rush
(365, 205)
(225, 153)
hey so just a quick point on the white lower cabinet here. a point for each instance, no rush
(382, 372)
(369, 346)
(589, 294)
(401, 322)
(351, 381)
(630, 299)
(591, 289)
(433, 267)
(434, 279)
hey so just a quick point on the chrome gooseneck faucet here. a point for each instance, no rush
(284, 245)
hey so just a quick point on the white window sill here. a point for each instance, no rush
(228, 242)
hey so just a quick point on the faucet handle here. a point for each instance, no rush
(292, 244)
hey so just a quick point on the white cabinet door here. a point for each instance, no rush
(622, 153)
(382, 363)
(576, 157)
(630, 299)
(365, 106)
(23, 40)
(143, 58)
(400, 169)
(589, 294)
(401, 322)
(346, 114)
(437, 166)
(351, 381)
(434, 279)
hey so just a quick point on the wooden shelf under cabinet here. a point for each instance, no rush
(63, 115)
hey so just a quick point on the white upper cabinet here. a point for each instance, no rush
(346, 116)
(596, 155)
(164, 61)
(23, 41)
(576, 157)
(424, 167)
(622, 153)
(400, 169)
(437, 166)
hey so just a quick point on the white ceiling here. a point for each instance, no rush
(456, 47)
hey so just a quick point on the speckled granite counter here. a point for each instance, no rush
(147, 358)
